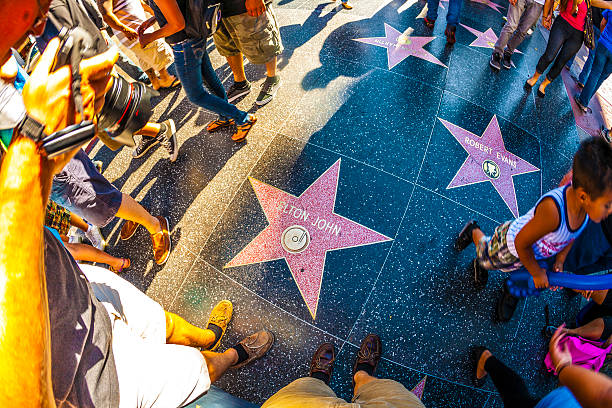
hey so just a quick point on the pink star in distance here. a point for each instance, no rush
(483, 40)
(489, 3)
(301, 230)
(488, 160)
(400, 47)
(419, 389)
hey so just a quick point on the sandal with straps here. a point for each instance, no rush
(124, 266)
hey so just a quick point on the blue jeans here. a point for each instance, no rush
(589, 62)
(454, 9)
(601, 69)
(194, 69)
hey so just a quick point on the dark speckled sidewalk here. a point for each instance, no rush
(337, 217)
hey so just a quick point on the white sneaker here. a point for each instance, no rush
(94, 235)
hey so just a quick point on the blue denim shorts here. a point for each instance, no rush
(80, 188)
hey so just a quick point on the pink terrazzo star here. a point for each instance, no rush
(419, 389)
(488, 160)
(301, 230)
(485, 39)
(489, 3)
(400, 47)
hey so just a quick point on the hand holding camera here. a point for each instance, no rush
(47, 95)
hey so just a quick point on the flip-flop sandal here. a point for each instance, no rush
(475, 354)
(124, 267)
(174, 83)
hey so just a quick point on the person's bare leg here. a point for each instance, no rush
(179, 331)
(361, 378)
(532, 81)
(218, 363)
(592, 330)
(598, 296)
(151, 129)
(78, 222)
(84, 252)
(131, 210)
(543, 85)
(271, 67)
(153, 78)
(480, 368)
(236, 64)
(476, 235)
(165, 79)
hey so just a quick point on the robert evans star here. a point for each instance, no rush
(488, 160)
(301, 230)
(400, 47)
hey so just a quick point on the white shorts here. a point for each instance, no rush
(151, 373)
(156, 55)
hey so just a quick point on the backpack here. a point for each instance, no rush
(202, 18)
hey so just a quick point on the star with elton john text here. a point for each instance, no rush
(488, 160)
(400, 46)
(301, 230)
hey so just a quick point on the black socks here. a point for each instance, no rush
(365, 367)
(321, 376)
(217, 330)
(241, 84)
(242, 354)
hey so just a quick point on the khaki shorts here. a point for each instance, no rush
(151, 373)
(256, 37)
(310, 392)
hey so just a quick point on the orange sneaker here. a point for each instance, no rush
(243, 130)
(161, 242)
(219, 124)
(220, 316)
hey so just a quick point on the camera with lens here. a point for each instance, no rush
(127, 105)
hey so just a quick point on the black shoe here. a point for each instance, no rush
(465, 236)
(237, 90)
(268, 90)
(475, 354)
(506, 305)
(167, 138)
(479, 274)
(495, 61)
(507, 60)
(146, 143)
(429, 23)
(583, 108)
(450, 34)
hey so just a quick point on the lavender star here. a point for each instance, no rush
(488, 160)
(400, 47)
(489, 3)
(485, 39)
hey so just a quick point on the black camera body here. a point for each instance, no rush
(127, 106)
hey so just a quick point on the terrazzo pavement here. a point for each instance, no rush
(340, 101)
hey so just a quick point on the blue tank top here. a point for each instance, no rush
(553, 242)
